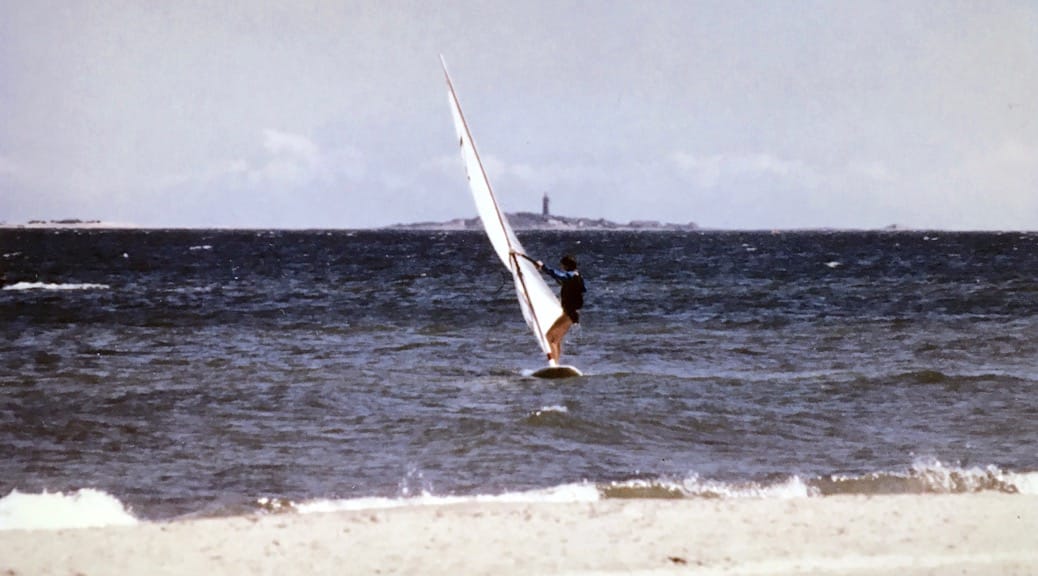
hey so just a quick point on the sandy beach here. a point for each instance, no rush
(984, 533)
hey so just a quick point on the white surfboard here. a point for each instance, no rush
(537, 301)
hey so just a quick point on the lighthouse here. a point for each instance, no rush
(544, 205)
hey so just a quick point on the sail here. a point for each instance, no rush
(536, 299)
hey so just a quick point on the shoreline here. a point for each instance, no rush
(105, 226)
(978, 533)
(521, 222)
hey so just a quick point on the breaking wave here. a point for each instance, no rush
(923, 477)
(559, 494)
(85, 508)
(93, 508)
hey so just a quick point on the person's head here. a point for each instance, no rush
(569, 263)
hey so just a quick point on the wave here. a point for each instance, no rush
(548, 415)
(93, 508)
(51, 286)
(85, 508)
(695, 487)
(925, 476)
(930, 476)
(565, 493)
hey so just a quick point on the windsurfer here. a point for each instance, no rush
(572, 296)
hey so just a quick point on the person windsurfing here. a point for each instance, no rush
(572, 296)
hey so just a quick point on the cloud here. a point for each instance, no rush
(280, 143)
(292, 161)
(285, 162)
(708, 172)
(282, 179)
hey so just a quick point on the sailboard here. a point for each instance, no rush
(537, 301)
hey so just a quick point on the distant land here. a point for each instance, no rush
(518, 220)
(67, 223)
(532, 221)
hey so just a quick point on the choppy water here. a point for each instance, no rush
(218, 372)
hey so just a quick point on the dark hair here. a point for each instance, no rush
(569, 263)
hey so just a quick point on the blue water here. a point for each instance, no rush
(194, 372)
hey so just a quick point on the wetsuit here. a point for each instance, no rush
(573, 289)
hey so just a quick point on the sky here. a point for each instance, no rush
(333, 114)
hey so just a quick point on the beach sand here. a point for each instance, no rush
(986, 533)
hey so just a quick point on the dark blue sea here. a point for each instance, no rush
(202, 372)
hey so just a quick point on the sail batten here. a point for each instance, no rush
(537, 301)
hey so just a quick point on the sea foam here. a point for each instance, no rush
(85, 508)
(695, 487)
(51, 286)
(558, 494)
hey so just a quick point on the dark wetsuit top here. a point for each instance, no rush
(572, 291)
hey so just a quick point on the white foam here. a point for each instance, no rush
(942, 478)
(695, 487)
(790, 488)
(553, 408)
(49, 286)
(86, 508)
(1025, 482)
(558, 494)
(202, 247)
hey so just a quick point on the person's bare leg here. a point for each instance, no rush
(555, 334)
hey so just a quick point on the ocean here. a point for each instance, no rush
(161, 374)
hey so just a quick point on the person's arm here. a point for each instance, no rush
(560, 276)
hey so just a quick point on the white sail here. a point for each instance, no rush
(538, 302)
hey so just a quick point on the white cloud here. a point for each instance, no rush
(282, 179)
(287, 163)
(279, 143)
(293, 160)
(707, 172)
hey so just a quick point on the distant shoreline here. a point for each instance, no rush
(531, 221)
(68, 223)
(521, 221)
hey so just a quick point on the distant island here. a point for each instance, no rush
(64, 222)
(67, 223)
(532, 221)
(518, 220)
